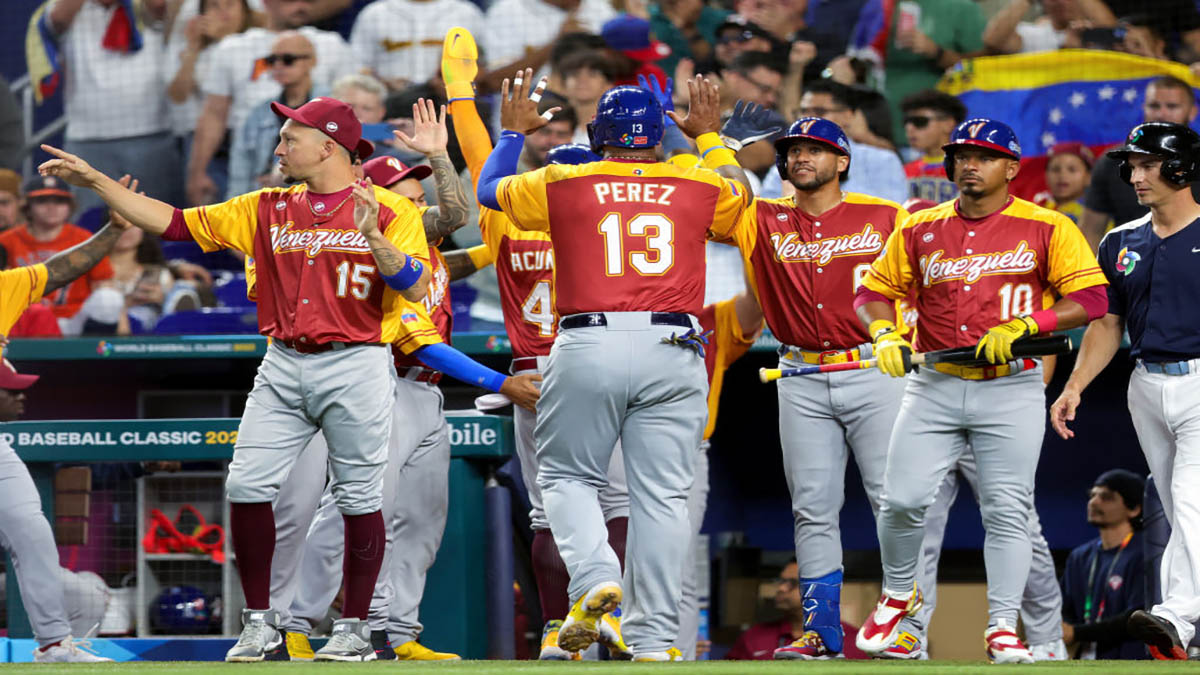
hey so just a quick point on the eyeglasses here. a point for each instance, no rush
(821, 112)
(285, 59)
(921, 121)
(762, 86)
(790, 582)
(742, 36)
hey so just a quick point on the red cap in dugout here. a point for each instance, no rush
(332, 118)
(387, 171)
(11, 380)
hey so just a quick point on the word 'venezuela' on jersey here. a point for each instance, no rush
(972, 274)
(627, 235)
(315, 279)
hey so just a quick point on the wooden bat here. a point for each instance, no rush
(963, 356)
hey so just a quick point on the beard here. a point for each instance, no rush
(818, 180)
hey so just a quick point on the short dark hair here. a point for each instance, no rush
(745, 62)
(939, 101)
(590, 59)
(841, 94)
(572, 43)
(566, 112)
(1172, 82)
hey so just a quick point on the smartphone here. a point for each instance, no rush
(1102, 38)
(375, 133)
(910, 16)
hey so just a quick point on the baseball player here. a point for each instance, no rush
(525, 272)
(805, 255)
(1152, 291)
(628, 236)
(335, 258)
(985, 268)
(24, 531)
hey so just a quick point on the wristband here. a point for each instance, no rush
(713, 152)
(409, 274)
(1045, 320)
(879, 327)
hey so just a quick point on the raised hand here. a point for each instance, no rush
(750, 122)
(71, 168)
(663, 96)
(704, 109)
(429, 129)
(518, 107)
(366, 207)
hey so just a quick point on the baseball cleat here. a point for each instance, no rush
(580, 629)
(1158, 634)
(882, 626)
(610, 636)
(906, 646)
(460, 63)
(550, 649)
(415, 651)
(810, 647)
(671, 654)
(350, 640)
(1055, 650)
(68, 650)
(1003, 645)
(382, 646)
(260, 635)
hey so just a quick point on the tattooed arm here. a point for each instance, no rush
(74, 262)
(459, 264)
(452, 210)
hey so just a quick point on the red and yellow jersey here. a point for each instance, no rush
(627, 235)
(429, 321)
(20, 287)
(525, 273)
(805, 269)
(927, 180)
(726, 345)
(972, 274)
(315, 279)
(23, 251)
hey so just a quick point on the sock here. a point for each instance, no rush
(472, 136)
(365, 542)
(551, 575)
(823, 608)
(253, 528)
(52, 644)
(617, 529)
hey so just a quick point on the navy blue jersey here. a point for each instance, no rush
(1120, 591)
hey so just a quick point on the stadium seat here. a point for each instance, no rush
(191, 252)
(212, 320)
(230, 290)
(462, 296)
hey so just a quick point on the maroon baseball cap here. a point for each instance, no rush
(387, 171)
(12, 380)
(333, 118)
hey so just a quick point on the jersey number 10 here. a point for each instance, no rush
(1015, 300)
(659, 255)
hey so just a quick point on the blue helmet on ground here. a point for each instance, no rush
(183, 610)
(981, 133)
(626, 117)
(811, 129)
(571, 153)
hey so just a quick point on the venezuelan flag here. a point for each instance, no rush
(1089, 96)
(41, 55)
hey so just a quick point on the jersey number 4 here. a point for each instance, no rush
(538, 310)
(659, 255)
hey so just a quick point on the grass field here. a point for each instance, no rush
(604, 668)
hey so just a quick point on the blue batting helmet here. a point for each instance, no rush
(983, 133)
(181, 609)
(571, 153)
(626, 117)
(811, 129)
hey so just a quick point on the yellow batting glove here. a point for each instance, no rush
(890, 347)
(996, 345)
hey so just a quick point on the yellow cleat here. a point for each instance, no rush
(415, 651)
(671, 654)
(550, 650)
(610, 636)
(460, 63)
(298, 648)
(581, 628)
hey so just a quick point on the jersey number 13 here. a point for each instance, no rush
(659, 254)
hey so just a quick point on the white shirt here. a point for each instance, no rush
(515, 27)
(182, 116)
(236, 70)
(110, 94)
(402, 39)
(1040, 36)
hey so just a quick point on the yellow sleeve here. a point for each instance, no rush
(405, 230)
(730, 342)
(732, 205)
(472, 136)
(523, 198)
(891, 275)
(742, 234)
(492, 226)
(481, 256)
(416, 328)
(20, 287)
(230, 224)
(251, 279)
(1072, 266)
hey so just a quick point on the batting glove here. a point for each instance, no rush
(893, 353)
(750, 122)
(690, 340)
(996, 345)
(664, 96)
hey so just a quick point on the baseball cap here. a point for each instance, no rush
(47, 186)
(631, 35)
(12, 380)
(387, 171)
(10, 182)
(333, 118)
(1073, 148)
(1128, 484)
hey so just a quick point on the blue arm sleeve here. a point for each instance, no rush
(454, 363)
(500, 164)
(673, 140)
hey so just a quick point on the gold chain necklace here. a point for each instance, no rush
(322, 213)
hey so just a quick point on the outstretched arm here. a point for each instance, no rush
(429, 138)
(149, 214)
(69, 265)
(702, 123)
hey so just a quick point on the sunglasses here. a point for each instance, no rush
(285, 59)
(920, 121)
(742, 36)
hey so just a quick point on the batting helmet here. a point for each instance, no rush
(1177, 144)
(626, 117)
(982, 133)
(571, 153)
(181, 609)
(811, 129)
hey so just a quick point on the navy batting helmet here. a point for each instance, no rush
(982, 133)
(571, 153)
(811, 129)
(626, 117)
(1176, 144)
(181, 609)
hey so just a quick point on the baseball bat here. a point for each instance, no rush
(963, 356)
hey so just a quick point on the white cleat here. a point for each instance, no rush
(260, 635)
(1003, 645)
(350, 640)
(70, 650)
(1049, 651)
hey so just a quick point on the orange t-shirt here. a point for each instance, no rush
(23, 251)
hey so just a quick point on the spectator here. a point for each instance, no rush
(760, 641)
(735, 36)
(521, 33)
(12, 129)
(753, 77)
(1006, 33)
(632, 51)
(688, 27)
(1068, 172)
(1096, 607)
(252, 153)
(114, 105)
(1143, 37)
(929, 117)
(400, 41)
(368, 97)
(190, 52)
(787, 21)
(48, 208)
(1108, 197)
(236, 82)
(586, 76)
(10, 199)
(141, 274)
